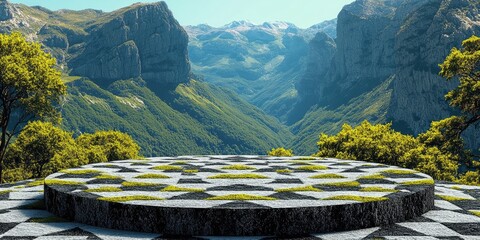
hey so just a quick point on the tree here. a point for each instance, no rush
(464, 65)
(108, 146)
(42, 148)
(280, 152)
(30, 87)
(379, 143)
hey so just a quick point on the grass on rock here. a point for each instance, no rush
(327, 176)
(400, 171)
(342, 184)
(238, 167)
(190, 171)
(419, 182)
(299, 189)
(36, 183)
(152, 176)
(139, 184)
(130, 198)
(107, 177)
(373, 176)
(181, 189)
(80, 171)
(238, 176)
(51, 219)
(475, 212)
(312, 168)
(451, 198)
(241, 197)
(61, 182)
(168, 168)
(284, 171)
(356, 198)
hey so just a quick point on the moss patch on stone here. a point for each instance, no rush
(80, 171)
(152, 176)
(168, 168)
(238, 176)
(107, 177)
(36, 183)
(373, 177)
(179, 163)
(238, 167)
(342, 184)
(5, 191)
(452, 198)
(327, 176)
(139, 184)
(190, 171)
(61, 182)
(241, 197)
(475, 212)
(400, 171)
(130, 198)
(312, 168)
(306, 159)
(181, 189)
(356, 198)
(377, 189)
(104, 189)
(299, 189)
(284, 171)
(419, 182)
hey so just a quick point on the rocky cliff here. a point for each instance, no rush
(399, 41)
(139, 41)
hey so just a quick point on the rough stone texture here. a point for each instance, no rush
(187, 213)
(21, 208)
(6, 11)
(138, 41)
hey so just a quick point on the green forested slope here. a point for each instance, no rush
(193, 118)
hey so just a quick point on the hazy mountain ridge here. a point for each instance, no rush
(259, 62)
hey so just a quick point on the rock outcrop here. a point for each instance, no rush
(139, 41)
(6, 10)
(403, 40)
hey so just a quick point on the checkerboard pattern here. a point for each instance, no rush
(192, 182)
(22, 214)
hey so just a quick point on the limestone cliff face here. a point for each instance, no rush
(402, 40)
(422, 43)
(139, 41)
(6, 10)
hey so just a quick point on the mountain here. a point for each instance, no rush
(129, 70)
(261, 63)
(384, 67)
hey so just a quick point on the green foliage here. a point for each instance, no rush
(30, 87)
(470, 178)
(114, 145)
(42, 148)
(379, 143)
(280, 152)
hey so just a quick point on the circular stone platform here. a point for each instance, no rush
(238, 195)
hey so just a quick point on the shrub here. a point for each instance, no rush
(280, 152)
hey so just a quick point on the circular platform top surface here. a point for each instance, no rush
(239, 182)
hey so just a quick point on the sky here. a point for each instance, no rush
(303, 13)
